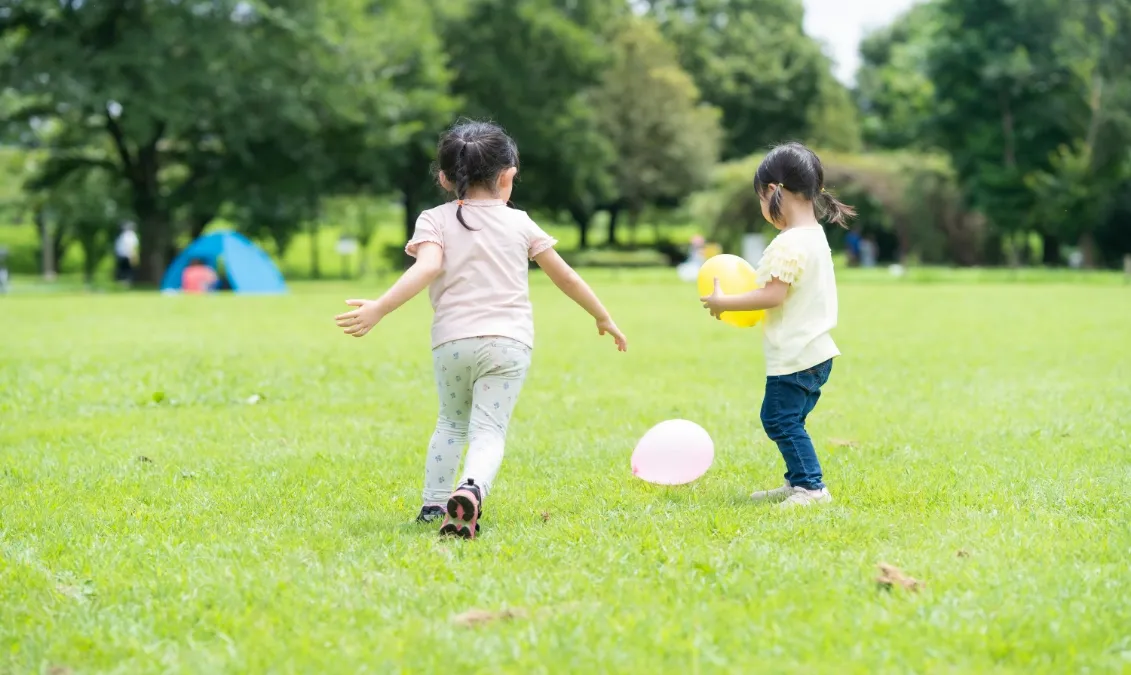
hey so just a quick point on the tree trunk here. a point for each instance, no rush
(1050, 250)
(365, 235)
(315, 261)
(614, 216)
(153, 231)
(1088, 249)
(46, 245)
(583, 218)
(993, 250)
(90, 259)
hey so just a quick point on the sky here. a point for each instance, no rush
(842, 23)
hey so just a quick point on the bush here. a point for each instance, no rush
(909, 202)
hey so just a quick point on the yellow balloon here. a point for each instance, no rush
(735, 276)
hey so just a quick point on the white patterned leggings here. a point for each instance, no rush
(478, 380)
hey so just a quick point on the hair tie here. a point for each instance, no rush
(781, 185)
(824, 190)
(459, 202)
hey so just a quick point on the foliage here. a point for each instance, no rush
(528, 65)
(910, 198)
(194, 105)
(894, 90)
(751, 59)
(665, 141)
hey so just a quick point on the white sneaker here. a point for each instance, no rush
(773, 496)
(803, 497)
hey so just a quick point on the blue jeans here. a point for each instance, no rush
(788, 402)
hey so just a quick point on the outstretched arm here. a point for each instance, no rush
(429, 261)
(768, 297)
(570, 282)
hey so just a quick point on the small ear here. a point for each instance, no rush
(506, 177)
(444, 182)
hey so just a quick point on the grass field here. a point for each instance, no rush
(152, 519)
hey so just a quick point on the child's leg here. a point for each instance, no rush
(454, 364)
(789, 400)
(501, 371)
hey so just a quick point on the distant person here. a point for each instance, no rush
(125, 254)
(198, 277)
(473, 254)
(852, 247)
(868, 253)
(799, 295)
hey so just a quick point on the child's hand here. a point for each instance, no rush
(361, 320)
(606, 325)
(712, 302)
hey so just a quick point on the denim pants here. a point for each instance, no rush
(788, 402)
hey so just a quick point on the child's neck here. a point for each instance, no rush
(796, 216)
(480, 194)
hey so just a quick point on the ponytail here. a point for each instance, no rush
(834, 210)
(775, 203)
(462, 182)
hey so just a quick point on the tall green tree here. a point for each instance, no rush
(192, 103)
(665, 140)
(1002, 95)
(753, 60)
(530, 65)
(894, 91)
(1080, 190)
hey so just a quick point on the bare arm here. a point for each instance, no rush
(768, 297)
(570, 282)
(358, 322)
(429, 262)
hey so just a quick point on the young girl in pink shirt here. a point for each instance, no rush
(473, 254)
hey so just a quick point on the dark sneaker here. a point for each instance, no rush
(465, 507)
(430, 513)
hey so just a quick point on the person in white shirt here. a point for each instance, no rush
(798, 292)
(125, 253)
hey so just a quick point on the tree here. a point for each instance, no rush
(1002, 96)
(189, 103)
(1079, 191)
(753, 60)
(530, 65)
(666, 142)
(894, 90)
(87, 207)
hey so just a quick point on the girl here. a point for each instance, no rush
(473, 253)
(799, 295)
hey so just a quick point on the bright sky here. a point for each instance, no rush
(842, 23)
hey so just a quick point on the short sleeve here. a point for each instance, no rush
(537, 241)
(782, 260)
(426, 231)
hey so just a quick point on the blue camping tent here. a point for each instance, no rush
(249, 268)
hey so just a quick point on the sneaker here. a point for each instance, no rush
(465, 508)
(773, 496)
(430, 513)
(803, 497)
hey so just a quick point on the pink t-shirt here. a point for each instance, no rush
(197, 279)
(483, 288)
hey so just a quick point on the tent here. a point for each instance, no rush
(249, 269)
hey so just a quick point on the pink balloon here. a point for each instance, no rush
(673, 453)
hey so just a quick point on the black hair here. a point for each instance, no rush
(796, 168)
(473, 154)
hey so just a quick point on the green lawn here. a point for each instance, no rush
(978, 436)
